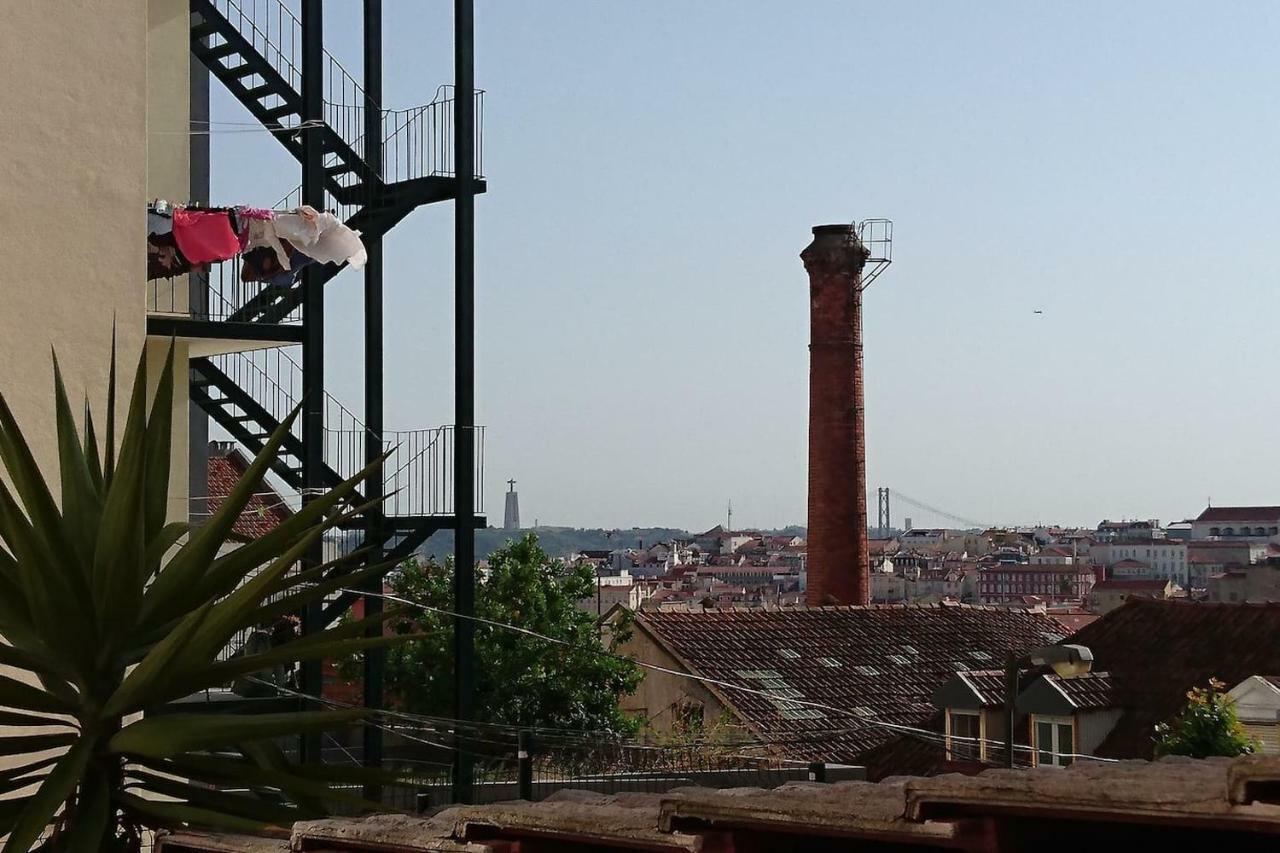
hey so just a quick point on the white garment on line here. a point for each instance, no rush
(262, 232)
(322, 237)
(301, 228)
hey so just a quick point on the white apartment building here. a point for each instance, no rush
(1167, 558)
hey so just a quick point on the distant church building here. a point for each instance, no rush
(511, 517)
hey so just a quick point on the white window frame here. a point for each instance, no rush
(1055, 747)
(982, 735)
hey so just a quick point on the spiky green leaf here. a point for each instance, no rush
(156, 813)
(81, 503)
(240, 805)
(20, 695)
(53, 792)
(119, 555)
(158, 439)
(174, 734)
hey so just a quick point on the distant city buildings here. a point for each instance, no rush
(1072, 574)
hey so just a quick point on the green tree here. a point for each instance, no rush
(107, 611)
(521, 679)
(1206, 726)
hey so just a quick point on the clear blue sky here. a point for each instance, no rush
(655, 168)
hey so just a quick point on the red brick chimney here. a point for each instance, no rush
(837, 550)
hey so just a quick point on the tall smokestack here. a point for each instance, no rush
(837, 550)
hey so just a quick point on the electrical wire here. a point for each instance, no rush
(936, 737)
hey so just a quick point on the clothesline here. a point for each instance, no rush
(273, 245)
(241, 127)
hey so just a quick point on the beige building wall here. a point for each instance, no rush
(83, 79)
(169, 177)
(73, 169)
(661, 694)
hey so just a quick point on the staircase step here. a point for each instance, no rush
(241, 70)
(219, 51)
(277, 113)
(258, 92)
(202, 30)
(340, 169)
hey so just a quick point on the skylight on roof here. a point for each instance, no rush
(979, 655)
(867, 670)
(831, 662)
(795, 711)
(900, 660)
(789, 654)
(908, 650)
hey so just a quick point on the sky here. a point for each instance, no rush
(653, 172)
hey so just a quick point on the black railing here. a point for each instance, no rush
(418, 472)
(215, 294)
(513, 765)
(417, 142)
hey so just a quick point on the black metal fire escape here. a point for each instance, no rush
(371, 167)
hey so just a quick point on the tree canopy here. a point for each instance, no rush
(521, 679)
(1206, 726)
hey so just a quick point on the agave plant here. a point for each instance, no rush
(108, 611)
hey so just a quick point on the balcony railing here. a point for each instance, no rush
(418, 474)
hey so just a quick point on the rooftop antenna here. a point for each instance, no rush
(728, 524)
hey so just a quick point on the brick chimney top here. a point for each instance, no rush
(837, 557)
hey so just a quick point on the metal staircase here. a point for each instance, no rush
(249, 394)
(253, 47)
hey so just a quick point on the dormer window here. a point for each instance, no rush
(964, 736)
(1053, 740)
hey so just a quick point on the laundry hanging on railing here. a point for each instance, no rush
(274, 246)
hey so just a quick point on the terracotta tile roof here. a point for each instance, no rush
(988, 684)
(1156, 650)
(1025, 569)
(264, 511)
(1092, 691)
(1220, 544)
(1072, 622)
(1240, 513)
(1135, 584)
(881, 662)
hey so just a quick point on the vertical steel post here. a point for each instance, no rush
(1012, 665)
(313, 326)
(524, 765)
(374, 486)
(464, 591)
(198, 418)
